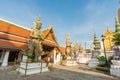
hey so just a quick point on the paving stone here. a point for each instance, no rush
(59, 72)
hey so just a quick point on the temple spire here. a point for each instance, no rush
(119, 15)
(96, 42)
(117, 25)
(68, 44)
(108, 29)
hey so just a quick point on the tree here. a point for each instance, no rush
(116, 39)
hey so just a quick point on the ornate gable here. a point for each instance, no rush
(49, 35)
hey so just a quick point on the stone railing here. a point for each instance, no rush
(83, 58)
(115, 68)
(69, 62)
(93, 63)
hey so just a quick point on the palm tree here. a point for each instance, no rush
(116, 39)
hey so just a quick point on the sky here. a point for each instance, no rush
(80, 18)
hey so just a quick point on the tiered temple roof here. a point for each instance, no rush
(13, 36)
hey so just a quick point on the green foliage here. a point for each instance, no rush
(64, 57)
(101, 58)
(104, 69)
(116, 39)
(108, 64)
(103, 62)
(47, 53)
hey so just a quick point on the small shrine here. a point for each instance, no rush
(97, 47)
(80, 55)
(96, 43)
(69, 61)
(78, 48)
(68, 45)
(95, 53)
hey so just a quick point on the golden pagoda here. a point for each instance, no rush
(108, 36)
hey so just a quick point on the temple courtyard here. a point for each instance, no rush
(59, 72)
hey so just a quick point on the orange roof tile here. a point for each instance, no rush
(12, 44)
(50, 43)
(62, 49)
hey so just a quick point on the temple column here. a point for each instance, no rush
(5, 59)
(55, 56)
(2, 56)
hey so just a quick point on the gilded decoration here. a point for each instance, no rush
(108, 36)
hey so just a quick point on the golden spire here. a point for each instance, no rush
(119, 13)
(108, 29)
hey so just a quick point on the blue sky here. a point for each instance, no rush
(80, 18)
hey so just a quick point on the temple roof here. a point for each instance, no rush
(13, 24)
(12, 44)
(13, 33)
(48, 34)
(62, 49)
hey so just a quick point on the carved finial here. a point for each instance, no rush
(51, 25)
(108, 29)
(38, 23)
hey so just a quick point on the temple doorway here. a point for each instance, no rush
(12, 56)
(49, 49)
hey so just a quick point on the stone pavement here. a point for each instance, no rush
(58, 72)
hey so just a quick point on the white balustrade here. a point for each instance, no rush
(93, 63)
(115, 68)
(83, 58)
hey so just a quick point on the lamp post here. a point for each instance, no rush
(110, 42)
(104, 48)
